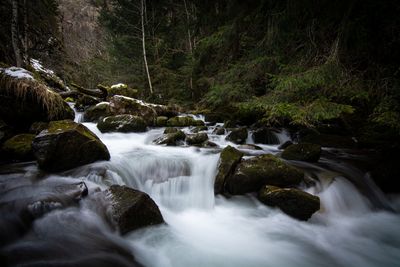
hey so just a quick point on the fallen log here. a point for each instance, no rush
(99, 93)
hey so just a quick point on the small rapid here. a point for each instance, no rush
(206, 230)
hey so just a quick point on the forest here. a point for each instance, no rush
(138, 118)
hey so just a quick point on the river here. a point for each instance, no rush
(356, 226)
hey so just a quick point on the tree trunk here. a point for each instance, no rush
(190, 47)
(24, 40)
(14, 34)
(144, 47)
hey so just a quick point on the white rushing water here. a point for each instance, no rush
(203, 230)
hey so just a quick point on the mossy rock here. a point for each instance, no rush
(161, 121)
(19, 147)
(125, 123)
(171, 139)
(97, 112)
(219, 131)
(196, 139)
(265, 136)
(169, 130)
(304, 152)
(123, 90)
(199, 129)
(65, 145)
(255, 172)
(237, 136)
(132, 209)
(37, 127)
(25, 101)
(184, 122)
(69, 99)
(85, 101)
(228, 160)
(125, 105)
(294, 202)
(209, 144)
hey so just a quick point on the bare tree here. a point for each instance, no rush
(142, 16)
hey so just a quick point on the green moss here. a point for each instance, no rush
(19, 147)
(161, 121)
(294, 202)
(228, 160)
(253, 173)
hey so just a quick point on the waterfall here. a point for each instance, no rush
(206, 230)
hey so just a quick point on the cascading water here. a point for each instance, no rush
(204, 230)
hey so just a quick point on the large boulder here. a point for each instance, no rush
(24, 100)
(293, 202)
(304, 152)
(125, 123)
(126, 105)
(161, 121)
(237, 136)
(196, 139)
(255, 172)
(184, 121)
(120, 89)
(265, 136)
(228, 160)
(18, 147)
(97, 112)
(65, 145)
(171, 139)
(132, 209)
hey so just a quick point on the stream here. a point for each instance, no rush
(356, 226)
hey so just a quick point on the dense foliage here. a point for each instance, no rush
(302, 62)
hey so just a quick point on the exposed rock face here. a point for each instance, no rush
(238, 136)
(253, 173)
(265, 136)
(228, 160)
(122, 123)
(132, 209)
(171, 139)
(184, 122)
(65, 145)
(125, 105)
(294, 202)
(304, 152)
(97, 112)
(19, 147)
(196, 139)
